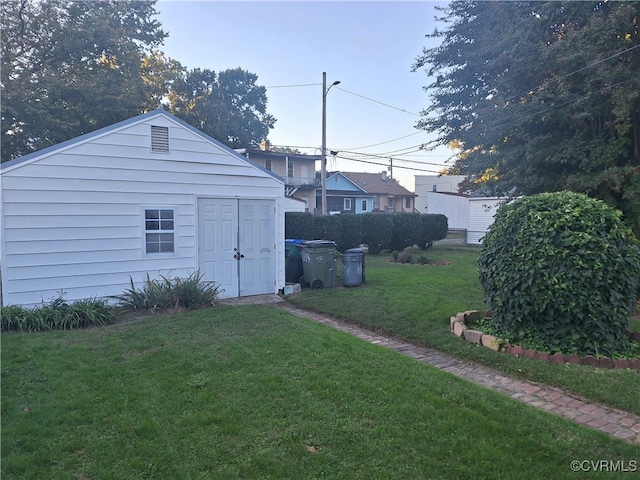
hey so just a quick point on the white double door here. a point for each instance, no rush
(236, 245)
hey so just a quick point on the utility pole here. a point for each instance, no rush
(323, 167)
(390, 167)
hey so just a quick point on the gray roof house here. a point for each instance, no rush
(366, 192)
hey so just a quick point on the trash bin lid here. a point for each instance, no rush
(355, 250)
(317, 243)
(294, 241)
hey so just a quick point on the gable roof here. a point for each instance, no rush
(160, 112)
(377, 184)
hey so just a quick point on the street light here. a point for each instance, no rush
(323, 169)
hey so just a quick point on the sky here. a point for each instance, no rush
(369, 46)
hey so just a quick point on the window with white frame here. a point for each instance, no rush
(364, 205)
(290, 169)
(267, 164)
(159, 230)
(407, 202)
(347, 204)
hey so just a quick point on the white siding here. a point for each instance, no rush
(292, 204)
(454, 207)
(481, 215)
(72, 220)
(423, 184)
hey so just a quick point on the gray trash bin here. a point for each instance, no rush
(353, 267)
(318, 263)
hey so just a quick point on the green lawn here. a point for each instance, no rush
(253, 392)
(416, 301)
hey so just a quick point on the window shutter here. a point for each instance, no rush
(159, 139)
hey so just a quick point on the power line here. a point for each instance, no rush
(346, 91)
(294, 86)
(382, 143)
(380, 103)
(394, 158)
(554, 107)
(598, 62)
(385, 164)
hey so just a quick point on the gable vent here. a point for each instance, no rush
(159, 139)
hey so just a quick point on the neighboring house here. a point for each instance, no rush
(297, 170)
(434, 183)
(473, 214)
(149, 195)
(365, 192)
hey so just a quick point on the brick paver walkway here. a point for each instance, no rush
(554, 400)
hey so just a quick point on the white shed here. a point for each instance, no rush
(149, 195)
(473, 214)
(482, 212)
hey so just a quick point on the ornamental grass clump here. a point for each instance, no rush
(190, 293)
(561, 272)
(58, 314)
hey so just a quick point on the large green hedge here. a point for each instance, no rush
(561, 271)
(377, 230)
(380, 231)
(407, 228)
(298, 225)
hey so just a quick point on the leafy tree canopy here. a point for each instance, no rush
(229, 105)
(540, 96)
(70, 67)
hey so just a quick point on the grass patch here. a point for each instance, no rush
(253, 392)
(416, 301)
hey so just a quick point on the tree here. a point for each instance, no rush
(228, 106)
(71, 67)
(159, 73)
(549, 101)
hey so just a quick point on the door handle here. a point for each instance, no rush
(238, 256)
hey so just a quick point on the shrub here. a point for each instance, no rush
(56, 315)
(167, 293)
(561, 270)
(328, 227)
(298, 225)
(406, 230)
(405, 257)
(423, 260)
(377, 231)
(434, 228)
(352, 234)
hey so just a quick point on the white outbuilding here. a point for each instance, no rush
(147, 196)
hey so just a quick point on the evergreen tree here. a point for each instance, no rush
(540, 96)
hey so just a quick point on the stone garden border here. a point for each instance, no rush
(459, 328)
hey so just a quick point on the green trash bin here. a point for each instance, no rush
(318, 263)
